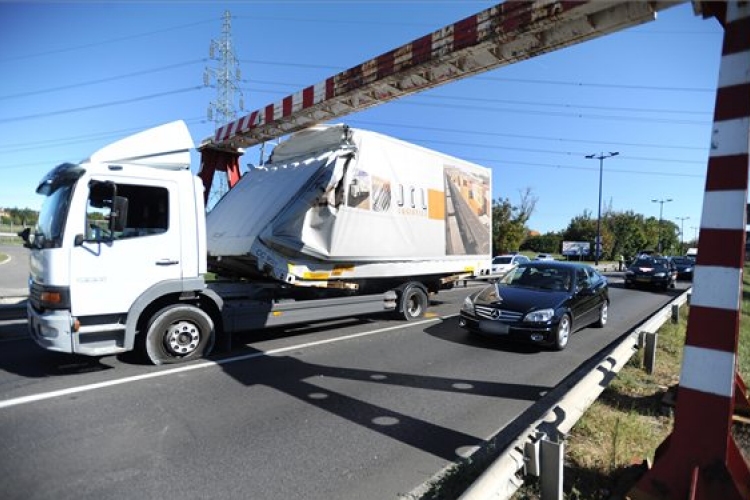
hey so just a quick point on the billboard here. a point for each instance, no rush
(575, 248)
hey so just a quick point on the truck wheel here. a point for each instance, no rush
(414, 302)
(179, 333)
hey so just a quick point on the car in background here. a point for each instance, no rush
(544, 256)
(685, 266)
(651, 271)
(504, 263)
(542, 302)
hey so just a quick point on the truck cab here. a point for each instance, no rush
(116, 232)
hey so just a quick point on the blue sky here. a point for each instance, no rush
(76, 76)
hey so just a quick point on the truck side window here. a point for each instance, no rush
(148, 210)
(147, 213)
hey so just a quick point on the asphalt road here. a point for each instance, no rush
(14, 273)
(366, 409)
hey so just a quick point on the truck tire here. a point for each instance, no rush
(413, 302)
(178, 333)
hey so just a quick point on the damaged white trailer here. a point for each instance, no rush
(349, 208)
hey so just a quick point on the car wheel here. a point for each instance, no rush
(603, 311)
(562, 333)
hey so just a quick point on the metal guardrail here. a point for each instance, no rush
(500, 480)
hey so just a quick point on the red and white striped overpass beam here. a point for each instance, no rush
(506, 33)
(700, 459)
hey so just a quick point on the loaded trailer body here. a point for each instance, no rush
(340, 223)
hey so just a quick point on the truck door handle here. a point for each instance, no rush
(167, 262)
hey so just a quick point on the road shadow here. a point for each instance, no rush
(28, 360)
(296, 378)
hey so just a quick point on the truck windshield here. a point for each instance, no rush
(57, 186)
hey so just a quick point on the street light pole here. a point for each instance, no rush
(661, 209)
(682, 232)
(598, 243)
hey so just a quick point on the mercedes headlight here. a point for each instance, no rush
(540, 316)
(468, 305)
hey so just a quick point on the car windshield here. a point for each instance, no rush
(682, 260)
(501, 260)
(539, 277)
(650, 262)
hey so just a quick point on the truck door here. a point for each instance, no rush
(127, 247)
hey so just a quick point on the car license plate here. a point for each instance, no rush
(495, 327)
(643, 278)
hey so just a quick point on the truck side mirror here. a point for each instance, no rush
(119, 216)
(25, 236)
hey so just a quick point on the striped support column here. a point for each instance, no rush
(700, 460)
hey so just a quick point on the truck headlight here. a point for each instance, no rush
(540, 316)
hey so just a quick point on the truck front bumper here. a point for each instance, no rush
(51, 330)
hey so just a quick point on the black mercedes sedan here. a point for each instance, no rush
(542, 302)
(651, 271)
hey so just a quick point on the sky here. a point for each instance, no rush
(76, 76)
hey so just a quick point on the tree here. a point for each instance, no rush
(509, 222)
(628, 234)
(583, 228)
(21, 216)
(543, 243)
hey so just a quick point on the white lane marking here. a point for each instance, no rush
(33, 398)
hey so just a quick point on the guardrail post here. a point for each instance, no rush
(552, 469)
(649, 353)
(675, 313)
(532, 454)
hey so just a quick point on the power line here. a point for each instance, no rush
(522, 136)
(478, 160)
(599, 85)
(102, 42)
(102, 80)
(10, 148)
(536, 81)
(99, 106)
(560, 114)
(504, 101)
(545, 151)
(82, 139)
